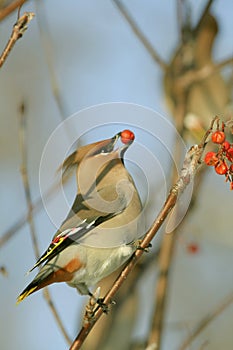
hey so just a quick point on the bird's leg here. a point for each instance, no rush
(94, 297)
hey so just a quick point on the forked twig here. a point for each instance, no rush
(19, 29)
(190, 166)
(137, 31)
(24, 173)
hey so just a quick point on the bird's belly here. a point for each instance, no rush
(100, 262)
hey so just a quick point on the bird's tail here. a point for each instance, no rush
(41, 280)
(27, 291)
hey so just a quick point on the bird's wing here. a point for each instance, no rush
(79, 222)
(69, 236)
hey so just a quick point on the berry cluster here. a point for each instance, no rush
(222, 160)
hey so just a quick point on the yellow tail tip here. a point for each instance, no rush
(19, 299)
(24, 295)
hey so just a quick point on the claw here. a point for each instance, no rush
(95, 299)
(146, 249)
(103, 306)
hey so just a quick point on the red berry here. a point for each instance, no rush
(127, 136)
(229, 154)
(210, 158)
(226, 145)
(193, 248)
(231, 169)
(221, 168)
(218, 137)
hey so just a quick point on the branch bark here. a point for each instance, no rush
(5, 11)
(206, 321)
(25, 179)
(190, 166)
(19, 29)
(137, 31)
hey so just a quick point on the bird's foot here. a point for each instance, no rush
(139, 247)
(96, 300)
(104, 307)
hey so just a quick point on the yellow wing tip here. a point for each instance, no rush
(24, 295)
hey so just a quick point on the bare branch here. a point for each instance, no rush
(49, 56)
(3, 271)
(165, 259)
(205, 72)
(35, 207)
(168, 241)
(179, 16)
(190, 166)
(137, 31)
(206, 321)
(6, 236)
(204, 13)
(127, 301)
(24, 173)
(56, 316)
(18, 30)
(5, 11)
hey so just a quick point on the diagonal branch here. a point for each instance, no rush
(49, 56)
(137, 31)
(205, 72)
(206, 321)
(7, 10)
(10, 232)
(190, 166)
(24, 174)
(25, 179)
(35, 207)
(19, 29)
(168, 240)
(204, 13)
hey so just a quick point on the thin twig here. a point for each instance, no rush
(137, 31)
(206, 321)
(3, 271)
(35, 207)
(19, 29)
(190, 166)
(180, 91)
(179, 16)
(161, 291)
(205, 72)
(168, 240)
(24, 173)
(127, 302)
(49, 56)
(5, 11)
(47, 296)
(202, 18)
